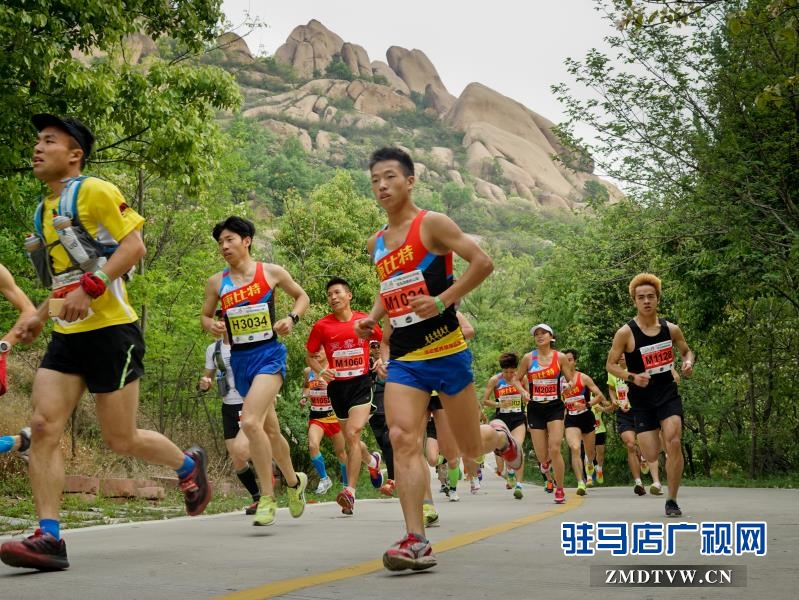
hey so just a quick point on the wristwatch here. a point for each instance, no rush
(630, 378)
(294, 317)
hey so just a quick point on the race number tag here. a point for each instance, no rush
(250, 323)
(544, 390)
(658, 358)
(319, 399)
(396, 294)
(350, 362)
(510, 403)
(576, 407)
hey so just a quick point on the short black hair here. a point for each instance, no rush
(393, 153)
(508, 360)
(571, 351)
(238, 225)
(338, 281)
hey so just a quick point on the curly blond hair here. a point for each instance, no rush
(644, 279)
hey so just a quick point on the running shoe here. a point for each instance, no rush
(265, 512)
(510, 482)
(195, 486)
(474, 486)
(24, 442)
(672, 510)
(324, 485)
(581, 488)
(639, 489)
(600, 476)
(656, 489)
(560, 496)
(430, 515)
(39, 551)
(411, 552)
(517, 491)
(589, 482)
(375, 474)
(387, 489)
(250, 510)
(550, 486)
(512, 453)
(441, 472)
(453, 495)
(589, 470)
(644, 467)
(444, 489)
(346, 501)
(499, 473)
(479, 472)
(296, 496)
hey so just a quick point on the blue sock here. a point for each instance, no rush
(318, 462)
(343, 468)
(6, 443)
(51, 526)
(187, 467)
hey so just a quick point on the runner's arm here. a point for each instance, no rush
(688, 357)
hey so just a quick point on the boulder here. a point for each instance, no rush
(356, 59)
(416, 70)
(374, 99)
(310, 48)
(284, 129)
(235, 48)
(489, 190)
(395, 82)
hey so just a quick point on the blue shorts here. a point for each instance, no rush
(447, 374)
(264, 359)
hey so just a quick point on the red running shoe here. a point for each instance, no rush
(411, 552)
(387, 489)
(346, 501)
(195, 486)
(560, 496)
(40, 551)
(374, 472)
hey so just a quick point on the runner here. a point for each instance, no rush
(625, 426)
(246, 291)
(349, 383)
(579, 398)
(11, 291)
(442, 453)
(322, 422)
(413, 256)
(96, 343)
(600, 432)
(507, 400)
(378, 419)
(217, 368)
(543, 369)
(647, 343)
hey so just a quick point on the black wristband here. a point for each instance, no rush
(630, 378)
(294, 317)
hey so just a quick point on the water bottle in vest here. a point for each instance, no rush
(70, 241)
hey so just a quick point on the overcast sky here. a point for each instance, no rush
(516, 47)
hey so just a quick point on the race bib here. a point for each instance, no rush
(576, 407)
(544, 390)
(350, 362)
(249, 324)
(396, 294)
(658, 358)
(510, 403)
(319, 399)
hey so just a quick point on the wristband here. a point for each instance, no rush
(294, 317)
(103, 276)
(440, 305)
(92, 285)
(629, 378)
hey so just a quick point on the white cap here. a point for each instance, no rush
(545, 327)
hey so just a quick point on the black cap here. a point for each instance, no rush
(71, 125)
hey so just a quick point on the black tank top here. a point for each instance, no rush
(654, 354)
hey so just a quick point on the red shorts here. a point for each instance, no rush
(330, 429)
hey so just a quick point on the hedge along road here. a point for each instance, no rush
(487, 545)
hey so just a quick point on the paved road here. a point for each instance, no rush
(488, 545)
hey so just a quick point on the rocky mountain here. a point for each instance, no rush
(339, 104)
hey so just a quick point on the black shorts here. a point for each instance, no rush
(600, 438)
(431, 428)
(512, 419)
(659, 406)
(377, 397)
(231, 420)
(541, 413)
(584, 421)
(107, 359)
(346, 394)
(624, 421)
(435, 403)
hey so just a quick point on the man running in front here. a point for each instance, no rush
(647, 343)
(427, 351)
